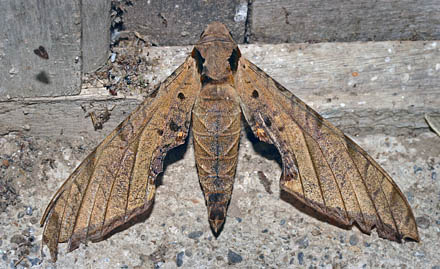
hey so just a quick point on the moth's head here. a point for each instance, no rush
(216, 31)
(216, 53)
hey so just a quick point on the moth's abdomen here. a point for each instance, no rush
(216, 128)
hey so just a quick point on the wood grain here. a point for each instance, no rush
(278, 21)
(374, 87)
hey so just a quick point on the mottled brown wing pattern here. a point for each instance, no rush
(116, 181)
(322, 167)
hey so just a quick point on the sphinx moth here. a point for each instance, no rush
(321, 167)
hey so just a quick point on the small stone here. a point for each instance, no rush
(20, 215)
(292, 260)
(434, 175)
(410, 196)
(316, 232)
(188, 253)
(195, 235)
(437, 222)
(436, 267)
(234, 257)
(300, 258)
(238, 219)
(179, 258)
(33, 220)
(29, 210)
(124, 266)
(184, 33)
(282, 222)
(417, 169)
(1, 242)
(423, 222)
(26, 127)
(366, 244)
(303, 242)
(353, 240)
(35, 261)
(265, 231)
(17, 239)
(419, 254)
(261, 256)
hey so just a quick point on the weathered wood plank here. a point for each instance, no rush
(26, 25)
(278, 21)
(181, 22)
(95, 19)
(374, 87)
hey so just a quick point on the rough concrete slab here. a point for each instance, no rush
(261, 230)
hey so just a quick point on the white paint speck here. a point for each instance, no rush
(405, 77)
(409, 67)
(373, 78)
(342, 105)
(390, 50)
(241, 12)
(387, 59)
(362, 103)
(437, 67)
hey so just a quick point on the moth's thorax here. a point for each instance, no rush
(214, 60)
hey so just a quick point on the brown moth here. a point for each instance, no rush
(322, 168)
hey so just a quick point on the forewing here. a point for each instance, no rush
(116, 181)
(322, 167)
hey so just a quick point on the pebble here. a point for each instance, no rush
(29, 210)
(17, 239)
(316, 232)
(417, 169)
(238, 219)
(423, 222)
(300, 258)
(34, 261)
(179, 258)
(436, 267)
(419, 254)
(434, 175)
(410, 196)
(265, 231)
(195, 234)
(20, 215)
(353, 240)
(188, 253)
(234, 257)
(303, 242)
(113, 57)
(282, 222)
